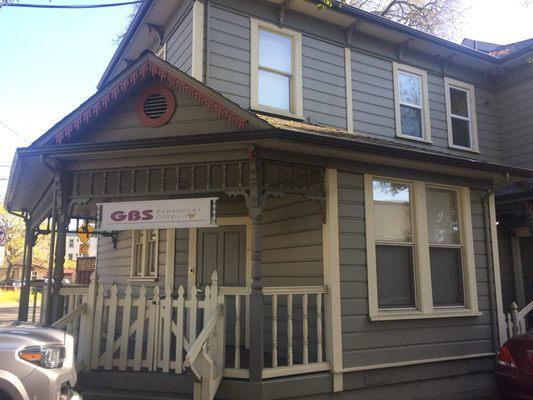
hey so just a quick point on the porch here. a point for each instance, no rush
(243, 323)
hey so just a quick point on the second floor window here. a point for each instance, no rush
(276, 69)
(411, 103)
(461, 115)
(144, 256)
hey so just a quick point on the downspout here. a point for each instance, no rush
(490, 262)
(48, 292)
(207, 39)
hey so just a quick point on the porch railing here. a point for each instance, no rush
(517, 319)
(152, 329)
(299, 348)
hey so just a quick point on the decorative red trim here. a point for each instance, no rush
(149, 69)
(171, 105)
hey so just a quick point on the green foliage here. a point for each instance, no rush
(14, 247)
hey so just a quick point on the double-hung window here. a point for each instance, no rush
(461, 115)
(144, 255)
(411, 103)
(276, 69)
(419, 250)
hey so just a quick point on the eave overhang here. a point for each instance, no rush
(323, 145)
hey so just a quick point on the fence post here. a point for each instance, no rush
(514, 316)
(87, 321)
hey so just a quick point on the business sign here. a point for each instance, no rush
(157, 214)
(3, 236)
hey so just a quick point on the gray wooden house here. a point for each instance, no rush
(345, 168)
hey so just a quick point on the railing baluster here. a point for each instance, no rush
(240, 175)
(289, 330)
(139, 334)
(125, 332)
(110, 337)
(180, 325)
(319, 357)
(224, 175)
(237, 331)
(274, 331)
(193, 176)
(133, 176)
(97, 332)
(148, 180)
(178, 178)
(305, 329)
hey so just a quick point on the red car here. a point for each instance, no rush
(514, 368)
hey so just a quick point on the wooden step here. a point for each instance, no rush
(109, 394)
(133, 383)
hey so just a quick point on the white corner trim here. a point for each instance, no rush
(417, 362)
(330, 243)
(518, 271)
(170, 257)
(348, 75)
(197, 70)
(502, 324)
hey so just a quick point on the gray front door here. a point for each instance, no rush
(221, 249)
(526, 254)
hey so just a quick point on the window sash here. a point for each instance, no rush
(144, 253)
(424, 301)
(422, 107)
(468, 89)
(420, 91)
(294, 94)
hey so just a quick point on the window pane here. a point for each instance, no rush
(391, 203)
(138, 260)
(459, 102)
(395, 276)
(275, 51)
(461, 132)
(409, 86)
(411, 120)
(273, 90)
(446, 276)
(443, 216)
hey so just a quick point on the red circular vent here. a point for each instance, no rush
(155, 106)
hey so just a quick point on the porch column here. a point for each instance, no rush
(57, 301)
(256, 298)
(29, 242)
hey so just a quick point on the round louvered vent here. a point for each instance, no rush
(156, 105)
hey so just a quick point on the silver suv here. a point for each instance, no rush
(36, 363)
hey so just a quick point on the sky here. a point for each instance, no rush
(52, 60)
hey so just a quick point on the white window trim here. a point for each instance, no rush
(422, 269)
(426, 123)
(145, 276)
(471, 97)
(296, 96)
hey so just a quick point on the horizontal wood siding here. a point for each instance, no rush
(515, 108)
(229, 55)
(373, 108)
(368, 343)
(181, 260)
(179, 45)
(114, 265)
(506, 269)
(292, 242)
(324, 82)
(122, 123)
